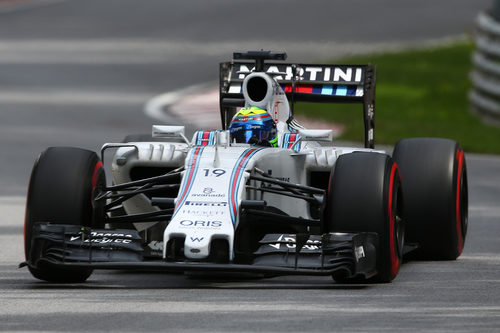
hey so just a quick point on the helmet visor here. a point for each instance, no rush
(251, 136)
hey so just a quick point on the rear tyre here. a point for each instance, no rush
(63, 183)
(434, 176)
(365, 196)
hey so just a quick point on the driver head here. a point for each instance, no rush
(253, 125)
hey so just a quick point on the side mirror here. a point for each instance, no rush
(316, 135)
(163, 131)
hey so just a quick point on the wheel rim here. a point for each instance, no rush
(464, 205)
(461, 201)
(396, 227)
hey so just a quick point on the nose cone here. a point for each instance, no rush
(196, 246)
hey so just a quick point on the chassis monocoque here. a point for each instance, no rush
(306, 207)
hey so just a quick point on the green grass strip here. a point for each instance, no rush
(420, 93)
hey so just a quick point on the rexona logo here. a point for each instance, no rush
(309, 73)
(104, 238)
(206, 203)
(209, 192)
(201, 223)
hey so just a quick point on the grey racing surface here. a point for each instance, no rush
(78, 73)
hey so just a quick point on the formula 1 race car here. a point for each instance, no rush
(262, 195)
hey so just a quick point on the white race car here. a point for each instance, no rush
(262, 195)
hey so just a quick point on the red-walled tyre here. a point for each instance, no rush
(434, 176)
(63, 183)
(365, 195)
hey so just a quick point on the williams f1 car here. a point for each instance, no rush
(288, 201)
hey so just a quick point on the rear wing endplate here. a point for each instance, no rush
(313, 83)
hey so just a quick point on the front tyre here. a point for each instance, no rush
(434, 175)
(365, 196)
(63, 183)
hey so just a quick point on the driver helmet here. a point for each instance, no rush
(255, 126)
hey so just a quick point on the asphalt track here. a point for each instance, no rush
(80, 72)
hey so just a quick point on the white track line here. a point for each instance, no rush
(72, 97)
(127, 51)
(156, 108)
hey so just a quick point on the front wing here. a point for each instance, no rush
(70, 246)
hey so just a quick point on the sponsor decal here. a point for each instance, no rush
(103, 238)
(204, 208)
(209, 192)
(283, 179)
(205, 195)
(156, 245)
(370, 134)
(359, 252)
(276, 105)
(371, 112)
(201, 223)
(206, 203)
(290, 243)
(308, 73)
(312, 137)
(202, 212)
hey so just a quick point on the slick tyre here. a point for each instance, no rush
(365, 196)
(434, 176)
(63, 183)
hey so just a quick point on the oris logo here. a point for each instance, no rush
(201, 223)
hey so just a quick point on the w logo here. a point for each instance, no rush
(196, 239)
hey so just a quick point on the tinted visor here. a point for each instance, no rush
(251, 136)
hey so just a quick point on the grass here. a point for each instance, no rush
(420, 93)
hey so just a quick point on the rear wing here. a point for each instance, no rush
(305, 83)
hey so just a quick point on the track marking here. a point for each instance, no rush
(72, 97)
(484, 211)
(156, 107)
(144, 51)
(18, 5)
